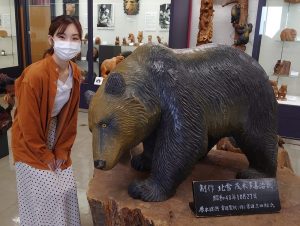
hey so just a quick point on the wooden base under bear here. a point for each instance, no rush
(111, 205)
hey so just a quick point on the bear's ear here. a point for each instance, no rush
(115, 84)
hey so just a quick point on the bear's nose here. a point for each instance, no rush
(99, 164)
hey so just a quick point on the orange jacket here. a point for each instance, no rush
(35, 94)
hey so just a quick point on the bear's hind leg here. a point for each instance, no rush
(261, 152)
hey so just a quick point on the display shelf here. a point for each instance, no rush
(8, 60)
(291, 100)
(278, 16)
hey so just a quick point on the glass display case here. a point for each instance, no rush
(10, 62)
(280, 44)
(8, 35)
(106, 25)
(279, 56)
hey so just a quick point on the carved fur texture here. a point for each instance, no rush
(179, 103)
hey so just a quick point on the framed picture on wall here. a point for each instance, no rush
(131, 7)
(164, 16)
(71, 7)
(105, 17)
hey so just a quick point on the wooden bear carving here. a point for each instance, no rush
(179, 103)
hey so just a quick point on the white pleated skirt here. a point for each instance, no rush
(46, 198)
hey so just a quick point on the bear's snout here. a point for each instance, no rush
(99, 164)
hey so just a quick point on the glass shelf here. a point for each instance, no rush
(290, 100)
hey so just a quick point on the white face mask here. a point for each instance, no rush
(65, 50)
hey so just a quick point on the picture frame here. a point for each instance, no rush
(105, 16)
(71, 7)
(164, 16)
(131, 7)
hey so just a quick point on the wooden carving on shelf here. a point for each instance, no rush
(274, 85)
(205, 22)
(282, 92)
(117, 41)
(3, 33)
(131, 39)
(282, 67)
(97, 41)
(288, 34)
(239, 17)
(124, 42)
(109, 64)
(140, 37)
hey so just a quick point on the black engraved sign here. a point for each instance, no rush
(235, 197)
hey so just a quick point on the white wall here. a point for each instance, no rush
(223, 31)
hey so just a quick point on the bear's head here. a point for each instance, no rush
(119, 119)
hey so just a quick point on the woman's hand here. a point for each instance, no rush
(59, 162)
(52, 165)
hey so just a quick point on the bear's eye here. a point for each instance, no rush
(102, 124)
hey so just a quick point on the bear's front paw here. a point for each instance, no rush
(140, 163)
(148, 190)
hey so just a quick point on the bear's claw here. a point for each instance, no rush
(148, 190)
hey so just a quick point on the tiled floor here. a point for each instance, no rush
(83, 170)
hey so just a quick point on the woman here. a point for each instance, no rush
(44, 130)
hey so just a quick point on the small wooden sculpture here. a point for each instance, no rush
(70, 9)
(95, 54)
(274, 85)
(3, 33)
(140, 37)
(131, 39)
(149, 38)
(288, 34)
(97, 41)
(282, 67)
(158, 39)
(117, 42)
(109, 64)
(239, 17)
(205, 22)
(124, 42)
(85, 39)
(282, 92)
